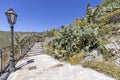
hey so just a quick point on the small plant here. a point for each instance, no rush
(76, 58)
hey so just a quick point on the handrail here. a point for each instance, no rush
(19, 51)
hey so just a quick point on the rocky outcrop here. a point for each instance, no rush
(113, 48)
(94, 55)
(117, 61)
(114, 19)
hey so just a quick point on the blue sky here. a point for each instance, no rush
(41, 15)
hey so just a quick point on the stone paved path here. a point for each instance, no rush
(39, 66)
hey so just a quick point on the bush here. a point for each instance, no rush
(76, 39)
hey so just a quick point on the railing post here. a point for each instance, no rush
(0, 61)
(20, 51)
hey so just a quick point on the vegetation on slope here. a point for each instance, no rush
(74, 42)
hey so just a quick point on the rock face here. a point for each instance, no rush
(113, 48)
(117, 61)
(114, 19)
(94, 55)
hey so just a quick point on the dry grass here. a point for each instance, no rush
(108, 68)
(77, 58)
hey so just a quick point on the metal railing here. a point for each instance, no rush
(19, 52)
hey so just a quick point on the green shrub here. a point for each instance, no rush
(76, 39)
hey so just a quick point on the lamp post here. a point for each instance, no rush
(11, 16)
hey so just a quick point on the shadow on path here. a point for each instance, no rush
(22, 65)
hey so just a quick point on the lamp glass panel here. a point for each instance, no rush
(12, 18)
(9, 19)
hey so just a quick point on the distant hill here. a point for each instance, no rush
(4, 38)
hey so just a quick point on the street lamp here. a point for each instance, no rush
(11, 16)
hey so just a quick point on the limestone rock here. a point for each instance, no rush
(94, 55)
(117, 62)
(113, 48)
